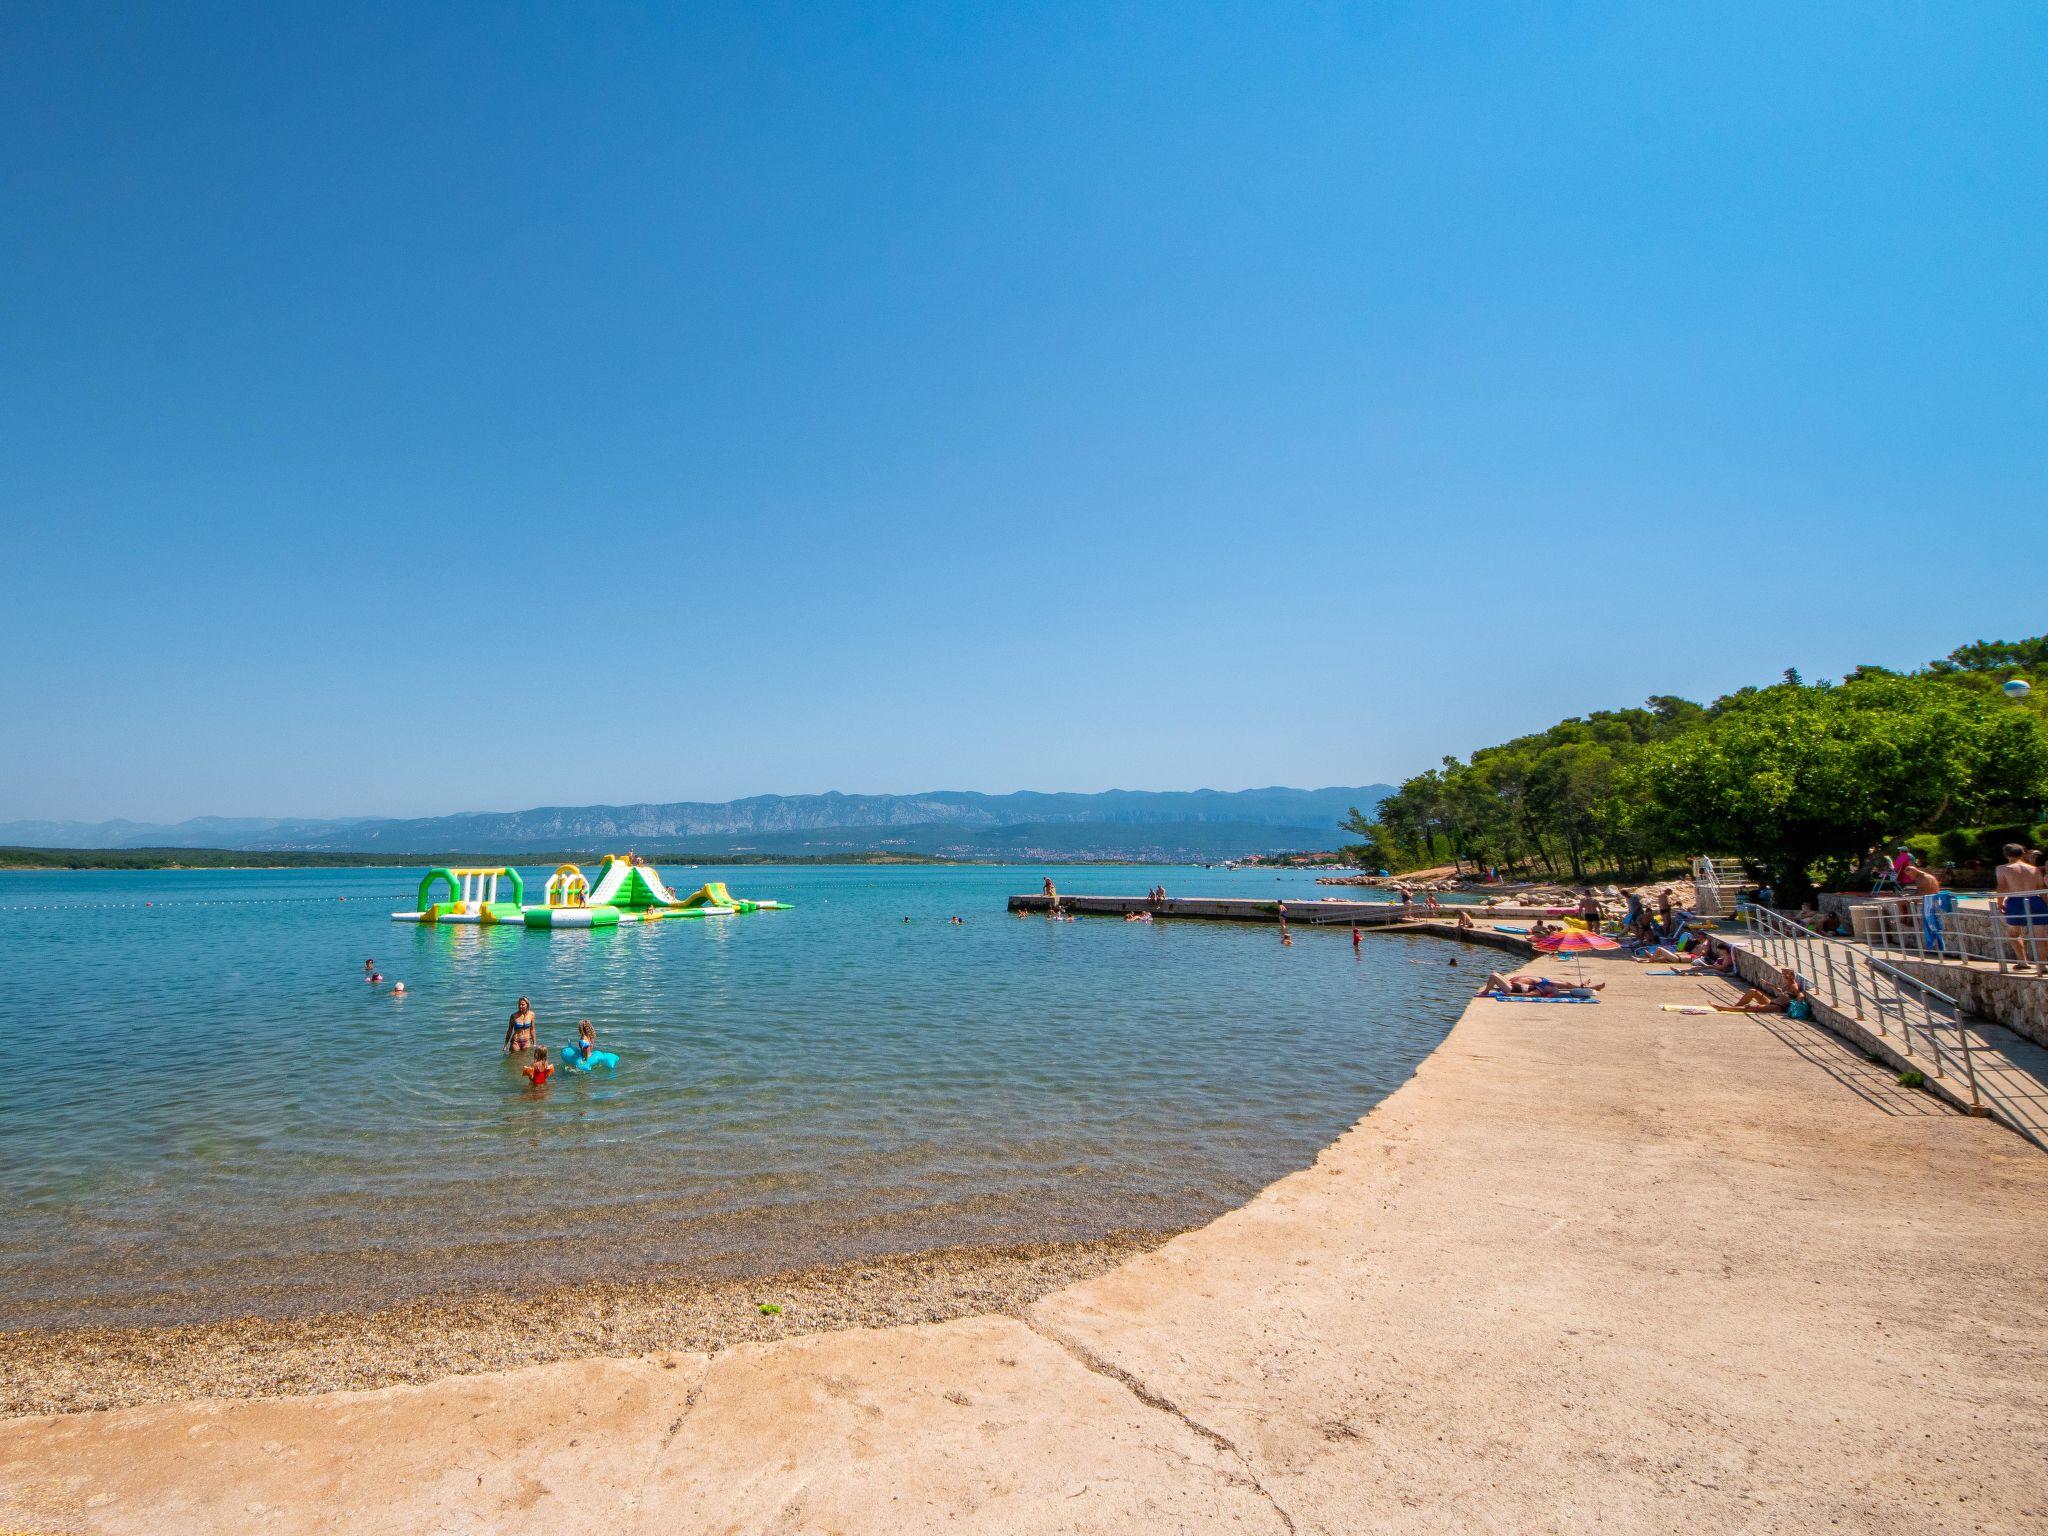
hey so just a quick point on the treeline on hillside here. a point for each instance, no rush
(182, 858)
(1800, 781)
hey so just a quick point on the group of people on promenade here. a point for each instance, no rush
(2019, 898)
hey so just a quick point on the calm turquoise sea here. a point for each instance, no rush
(210, 1113)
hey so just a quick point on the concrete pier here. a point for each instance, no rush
(1260, 909)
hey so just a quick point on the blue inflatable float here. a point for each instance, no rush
(577, 1059)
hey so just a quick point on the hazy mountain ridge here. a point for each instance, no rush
(1108, 824)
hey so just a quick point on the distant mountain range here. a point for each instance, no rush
(1117, 823)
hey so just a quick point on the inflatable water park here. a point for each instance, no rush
(627, 891)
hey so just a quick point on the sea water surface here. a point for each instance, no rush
(208, 1112)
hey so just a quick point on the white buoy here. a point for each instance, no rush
(2018, 688)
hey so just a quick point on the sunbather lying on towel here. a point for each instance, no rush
(1535, 986)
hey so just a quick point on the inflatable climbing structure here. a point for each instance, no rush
(627, 891)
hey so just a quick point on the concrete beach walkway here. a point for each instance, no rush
(1595, 1268)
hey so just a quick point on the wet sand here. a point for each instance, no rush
(72, 1370)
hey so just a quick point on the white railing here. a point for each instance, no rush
(2014, 940)
(1714, 889)
(1884, 999)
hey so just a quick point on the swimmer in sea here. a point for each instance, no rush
(519, 1029)
(541, 1070)
(369, 970)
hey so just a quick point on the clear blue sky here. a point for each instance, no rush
(412, 409)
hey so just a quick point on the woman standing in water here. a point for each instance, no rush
(519, 1029)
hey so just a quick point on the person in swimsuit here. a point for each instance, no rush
(519, 1029)
(2023, 901)
(1778, 999)
(1535, 986)
(369, 970)
(541, 1068)
(577, 1051)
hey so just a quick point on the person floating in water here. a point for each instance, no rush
(369, 970)
(519, 1029)
(541, 1069)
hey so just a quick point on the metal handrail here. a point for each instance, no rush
(1819, 962)
(1711, 888)
(2008, 940)
(1903, 980)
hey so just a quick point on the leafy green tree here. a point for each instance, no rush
(1800, 780)
(1798, 777)
(1997, 656)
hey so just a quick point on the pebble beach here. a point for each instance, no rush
(78, 1369)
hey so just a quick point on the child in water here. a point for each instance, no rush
(586, 1039)
(541, 1070)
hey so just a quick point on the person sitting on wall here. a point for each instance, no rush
(1788, 994)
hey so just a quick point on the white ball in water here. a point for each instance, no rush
(2018, 688)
